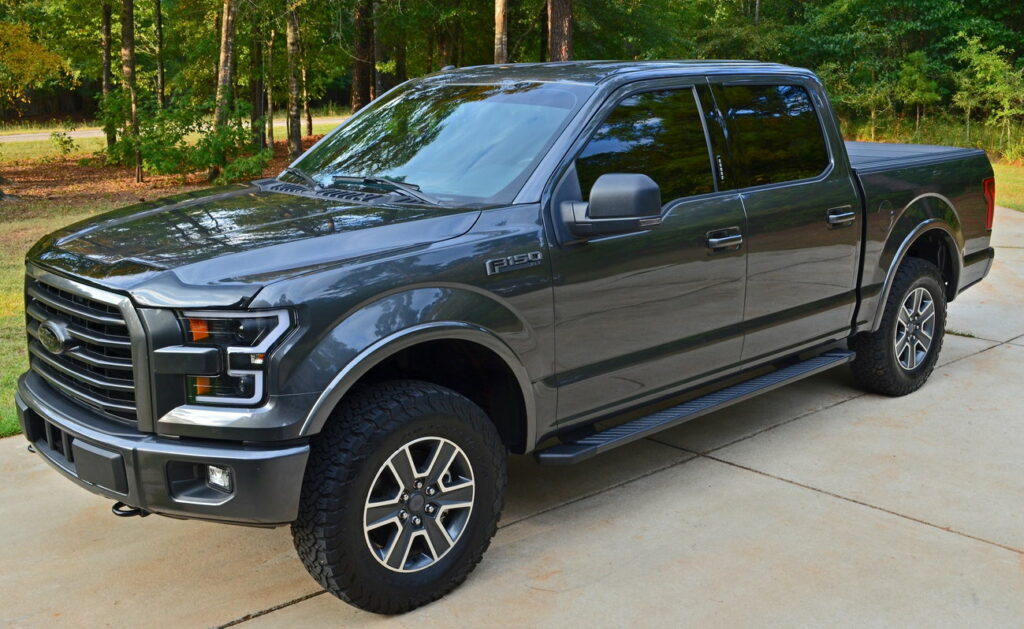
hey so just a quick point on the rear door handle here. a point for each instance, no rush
(723, 240)
(841, 215)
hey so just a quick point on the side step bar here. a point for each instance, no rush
(596, 443)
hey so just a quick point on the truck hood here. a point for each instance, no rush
(219, 247)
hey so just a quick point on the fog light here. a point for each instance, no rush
(219, 478)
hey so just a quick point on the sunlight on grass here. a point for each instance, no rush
(1010, 186)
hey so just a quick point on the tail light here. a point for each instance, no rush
(989, 186)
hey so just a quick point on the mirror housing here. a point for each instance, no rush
(619, 203)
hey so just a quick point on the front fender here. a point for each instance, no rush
(376, 330)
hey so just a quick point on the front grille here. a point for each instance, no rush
(52, 441)
(95, 369)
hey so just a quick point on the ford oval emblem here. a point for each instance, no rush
(52, 338)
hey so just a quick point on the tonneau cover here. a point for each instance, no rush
(867, 156)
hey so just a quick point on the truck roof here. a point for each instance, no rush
(597, 72)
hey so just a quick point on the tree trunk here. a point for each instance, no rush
(270, 90)
(757, 12)
(362, 64)
(128, 70)
(108, 75)
(560, 30)
(224, 75)
(259, 137)
(159, 20)
(305, 100)
(294, 124)
(500, 32)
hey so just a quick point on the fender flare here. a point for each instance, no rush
(389, 345)
(931, 224)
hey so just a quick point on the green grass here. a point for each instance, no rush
(23, 224)
(1010, 186)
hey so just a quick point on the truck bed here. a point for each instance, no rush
(873, 156)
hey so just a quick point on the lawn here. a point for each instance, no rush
(57, 192)
(1010, 186)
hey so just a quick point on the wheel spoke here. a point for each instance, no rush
(444, 454)
(927, 310)
(456, 497)
(912, 357)
(398, 552)
(918, 295)
(903, 317)
(437, 537)
(403, 468)
(380, 513)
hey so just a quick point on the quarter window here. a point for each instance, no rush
(775, 133)
(658, 134)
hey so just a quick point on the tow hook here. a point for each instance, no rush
(122, 510)
(31, 449)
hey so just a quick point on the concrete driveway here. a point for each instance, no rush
(813, 505)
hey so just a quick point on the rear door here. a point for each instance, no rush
(639, 314)
(803, 213)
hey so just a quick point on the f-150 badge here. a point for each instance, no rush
(511, 263)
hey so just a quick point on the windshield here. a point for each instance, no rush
(457, 143)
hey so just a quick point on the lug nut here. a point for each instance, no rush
(416, 520)
(402, 515)
(431, 491)
(405, 497)
(431, 508)
(419, 484)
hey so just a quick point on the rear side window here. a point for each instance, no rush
(775, 133)
(658, 134)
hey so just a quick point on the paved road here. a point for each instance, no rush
(813, 505)
(98, 133)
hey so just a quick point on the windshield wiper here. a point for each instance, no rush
(303, 175)
(410, 189)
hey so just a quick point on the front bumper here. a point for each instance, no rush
(160, 474)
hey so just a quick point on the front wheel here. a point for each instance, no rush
(898, 358)
(401, 497)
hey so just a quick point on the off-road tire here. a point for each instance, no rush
(370, 424)
(876, 367)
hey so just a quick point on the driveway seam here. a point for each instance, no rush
(268, 610)
(855, 501)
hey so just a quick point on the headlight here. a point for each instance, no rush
(244, 339)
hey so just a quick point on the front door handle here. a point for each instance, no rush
(723, 241)
(841, 215)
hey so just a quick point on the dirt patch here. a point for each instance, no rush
(74, 182)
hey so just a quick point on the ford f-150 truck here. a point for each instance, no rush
(554, 259)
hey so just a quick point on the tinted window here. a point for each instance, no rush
(775, 131)
(658, 134)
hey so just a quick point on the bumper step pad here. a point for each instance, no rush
(596, 443)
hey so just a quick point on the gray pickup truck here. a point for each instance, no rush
(554, 259)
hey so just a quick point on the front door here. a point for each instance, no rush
(638, 315)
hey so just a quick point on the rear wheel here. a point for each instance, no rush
(402, 495)
(899, 357)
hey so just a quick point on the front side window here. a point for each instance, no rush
(658, 134)
(774, 132)
(459, 143)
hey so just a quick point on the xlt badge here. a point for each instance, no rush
(511, 263)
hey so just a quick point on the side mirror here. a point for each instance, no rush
(619, 203)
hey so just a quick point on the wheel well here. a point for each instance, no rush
(467, 368)
(934, 246)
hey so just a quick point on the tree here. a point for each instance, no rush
(913, 86)
(294, 123)
(500, 31)
(128, 72)
(107, 80)
(270, 89)
(158, 20)
(256, 85)
(362, 61)
(225, 69)
(559, 30)
(24, 64)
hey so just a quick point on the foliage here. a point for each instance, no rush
(24, 63)
(62, 140)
